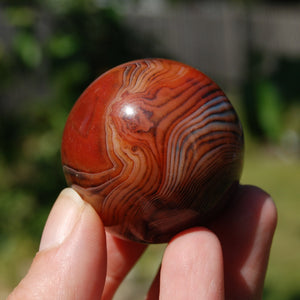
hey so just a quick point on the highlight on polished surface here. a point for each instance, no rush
(155, 147)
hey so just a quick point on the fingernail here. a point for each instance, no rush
(62, 219)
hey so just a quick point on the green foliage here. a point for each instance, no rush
(269, 108)
(268, 97)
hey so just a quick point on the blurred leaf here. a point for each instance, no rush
(269, 110)
(28, 49)
(14, 203)
(63, 46)
(23, 16)
(65, 6)
(2, 50)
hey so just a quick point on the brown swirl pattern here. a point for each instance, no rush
(155, 146)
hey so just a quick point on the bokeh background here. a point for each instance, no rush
(50, 50)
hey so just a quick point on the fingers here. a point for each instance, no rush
(246, 230)
(192, 267)
(71, 263)
(122, 255)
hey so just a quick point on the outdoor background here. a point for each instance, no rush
(50, 50)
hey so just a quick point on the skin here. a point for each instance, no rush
(227, 260)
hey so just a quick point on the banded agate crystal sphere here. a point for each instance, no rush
(155, 147)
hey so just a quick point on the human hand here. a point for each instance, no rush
(78, 260)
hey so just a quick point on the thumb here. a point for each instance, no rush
(71, 262)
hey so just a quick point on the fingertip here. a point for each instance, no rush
(246, 229)
(194, 242)
(270, 214)
(259, 202)
(252, 192)
(193, 265)
(71, 193)
(195, 246)
(64, 215)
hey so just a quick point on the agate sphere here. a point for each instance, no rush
(155, 147)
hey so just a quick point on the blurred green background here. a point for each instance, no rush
(51, 50)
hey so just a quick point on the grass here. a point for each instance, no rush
(279, 175)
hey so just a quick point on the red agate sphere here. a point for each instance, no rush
(155, 147)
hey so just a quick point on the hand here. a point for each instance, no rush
(77, 260)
